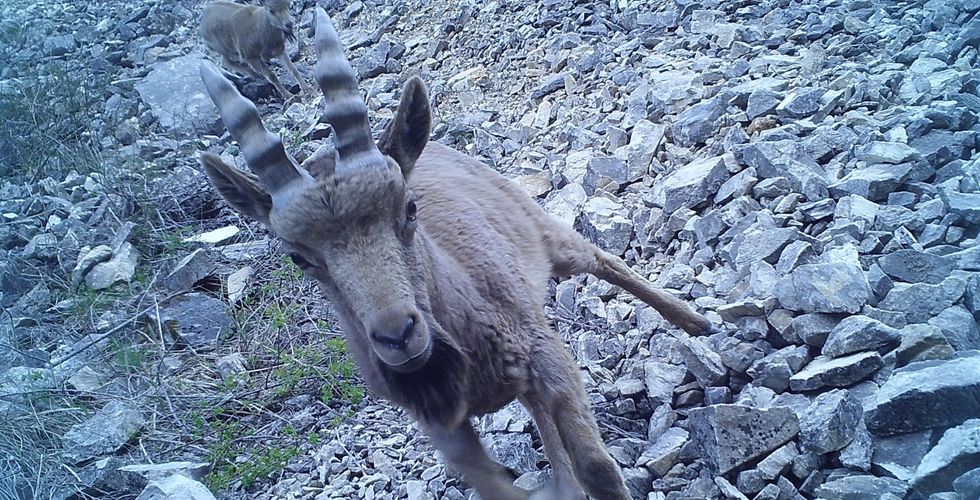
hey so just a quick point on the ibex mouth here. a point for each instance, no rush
(413, 363)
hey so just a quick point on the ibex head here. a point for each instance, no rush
(351, 223)
(281, 17)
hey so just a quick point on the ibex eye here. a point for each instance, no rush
(299, 260)
(410, 211)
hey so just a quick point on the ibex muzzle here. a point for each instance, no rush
(437, 267)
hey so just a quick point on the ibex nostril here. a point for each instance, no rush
(394, 336)
(409, 327)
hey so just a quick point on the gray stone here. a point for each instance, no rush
(956, 453)
(119, 269)
(786, 159)
(690, 185)
(549, 84)
(900, 455)
(374, 61)
(861, 487)
(860, 333)
(830, 422)
(772, 187)
(751, 482)
(566, 203)
(740, 184)
(762, 243)
(966, 205)
(645, 140)
(663, 453)
(886, 152)
(698, 123)
(968, 484)
(88, 260)
(873, 182)
(800, 103)
(607, 224)
(769, 492)
(921, 301)
(155, 472)
(196, 319)
(813, 328)
(827, 288)
(959, 327)
(762, 102)
(774, 370)
(638, 481)
(728, 489)
(663, 418)
(515, 450)
(778, 461)
(176, 95)
(191, 269)
(105, 432)
(857, 454)
(836, 372)
(701, 361)
(731, 435)
(922, 343)
(856, 208)
(925, 395)
(661, 379)
(912, 266)
(605, 172)
(174, 487)
(231, 365)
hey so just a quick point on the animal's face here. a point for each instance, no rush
(281, 17)
(355, 235)
(348, 217)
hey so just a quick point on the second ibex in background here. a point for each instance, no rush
(248, 36)
(437, 267)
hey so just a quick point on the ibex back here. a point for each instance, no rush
(437, 267)
(247, 36)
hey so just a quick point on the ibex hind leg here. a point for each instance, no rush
(462, 449)
(572, 254)
(563, 485)
(559, 398)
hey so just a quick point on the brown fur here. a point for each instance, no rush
(247, 36)
(443, 308)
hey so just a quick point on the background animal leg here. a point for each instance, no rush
(270, 76)
(462, 448)
(564, 486)
(242, 69)
(296, 74)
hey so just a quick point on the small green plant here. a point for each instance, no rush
(173, 241)
(127, 356)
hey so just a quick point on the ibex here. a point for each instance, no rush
(437, 267)
(247, 36)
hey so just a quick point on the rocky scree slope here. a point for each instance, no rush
(804, 172)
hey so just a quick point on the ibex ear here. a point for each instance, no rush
(407, 134)
(239, 188)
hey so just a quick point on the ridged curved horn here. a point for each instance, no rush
(345, 111)
(263, 150)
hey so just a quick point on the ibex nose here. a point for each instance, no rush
(394, 330)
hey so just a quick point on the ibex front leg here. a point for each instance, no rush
(462, 449)
(296, 74)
